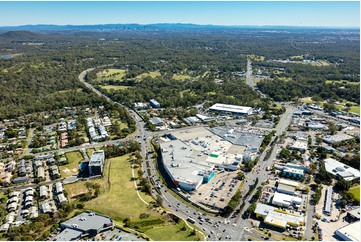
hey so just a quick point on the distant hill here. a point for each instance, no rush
(23, 34)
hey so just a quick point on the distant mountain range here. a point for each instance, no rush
(151, 27)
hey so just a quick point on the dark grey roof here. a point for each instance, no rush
(87, 221)
(20, 179)
(68, 235)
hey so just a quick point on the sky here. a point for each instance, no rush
(328, 14)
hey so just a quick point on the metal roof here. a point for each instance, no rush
(178, 161)
(97, 158)
(230, 108)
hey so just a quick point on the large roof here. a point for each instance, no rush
(87, 221)
(250, 140)
(230, 108)
(285, 187)
(351, 231)
(68, 235)
(177, 158)
(340, 169)
(288, 182)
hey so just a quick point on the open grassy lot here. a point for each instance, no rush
(355, 191)
(342, 81)
(355, 109)
(90, 151)
(151, 74)
(72, 168)
(172, 233)
(109, 87)
(111, 74)
(119, 193)
(178, 77)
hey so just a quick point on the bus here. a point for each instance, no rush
(191, 220)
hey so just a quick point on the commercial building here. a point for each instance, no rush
(327, 207)
(274, 217)
(299, 145)
(315, 125)
(186, 172)
(231, 109)
(96, 163)
(293, 172)
(156, 121)
(154, 103)
(204, 118)
(350, 232)
(354, 214)
(337, 138)
(286, 189)
(341, 170)
(84, 224)
(284, 200)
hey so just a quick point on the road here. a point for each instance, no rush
(259, 172)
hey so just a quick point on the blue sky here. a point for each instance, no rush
(322, 13)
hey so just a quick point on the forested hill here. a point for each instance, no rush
(161, 27)
(39, 69)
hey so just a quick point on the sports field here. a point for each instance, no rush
(355, 191)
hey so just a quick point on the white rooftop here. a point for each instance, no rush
(288, 182)
(230, 108)
(351, 231)
(340, 169)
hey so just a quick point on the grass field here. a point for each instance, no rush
(355, 109)
(178, 77)
(172, 233)
(111, 74)
(151, 74)
(72, 168)
(342, 81)
(109, 87)
(90, 151)
(119, 194)
(355, 191)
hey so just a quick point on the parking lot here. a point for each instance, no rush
(329, 224)
(219, 191)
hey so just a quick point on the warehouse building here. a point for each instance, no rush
(85, 224)
(337, 138)
(272, 216)
(186, 172)
(285, 200)
(96, 163)
(350, 232)
(231, 109)
(289, 183)
(341, 170)
(327, 207)
(286, 189)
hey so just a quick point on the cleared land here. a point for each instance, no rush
(109, 87)
(355, 191)
(172, 233)
(151, 74)
(342, 82)
(72, 168)
(355, 109)
(181, 77)
(111, 74)
(119, 193)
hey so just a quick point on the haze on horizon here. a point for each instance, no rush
(314, 14)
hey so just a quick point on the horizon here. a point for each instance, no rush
(170, 23)
(230, 14)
